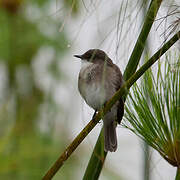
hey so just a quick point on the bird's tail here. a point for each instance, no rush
(110, 137)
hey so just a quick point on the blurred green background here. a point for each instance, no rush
(27, 31)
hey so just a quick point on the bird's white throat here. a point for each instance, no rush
(85, 64)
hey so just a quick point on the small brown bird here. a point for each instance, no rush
(99, 79)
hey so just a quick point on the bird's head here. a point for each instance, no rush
(93, 55)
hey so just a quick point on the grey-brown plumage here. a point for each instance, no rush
(99, 79)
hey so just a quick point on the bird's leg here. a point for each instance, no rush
(94, 114)
(96, 111)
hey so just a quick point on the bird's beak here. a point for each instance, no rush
(78, 56)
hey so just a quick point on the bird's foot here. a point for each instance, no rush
(94, 115)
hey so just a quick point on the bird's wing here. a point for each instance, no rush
(119, 82)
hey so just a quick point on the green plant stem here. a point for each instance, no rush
(178, 174)
(146, 152)
(140, 44)
(70, 149)
(94, 168)
(146, 162)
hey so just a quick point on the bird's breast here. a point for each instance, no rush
(90, 87)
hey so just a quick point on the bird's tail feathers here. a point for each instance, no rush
(110, 137)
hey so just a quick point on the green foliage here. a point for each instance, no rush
(153, 111)
(25, 151)
(21, 38)
(28, 157)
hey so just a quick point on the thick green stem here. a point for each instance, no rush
(146, 165)
(71, 148)
(141, 41)
(140, 44)
(92, 171)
